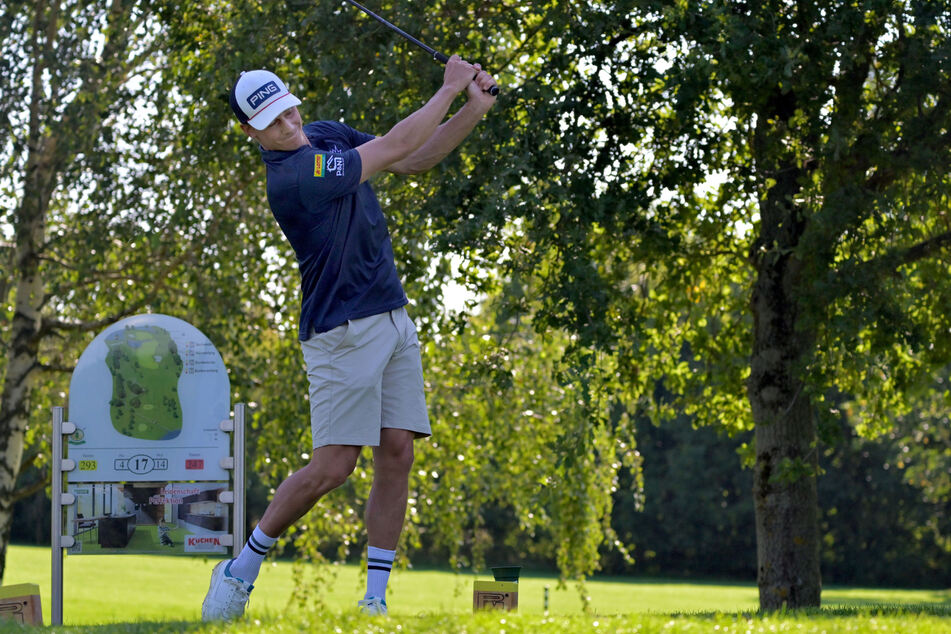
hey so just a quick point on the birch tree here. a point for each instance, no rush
(105, 211)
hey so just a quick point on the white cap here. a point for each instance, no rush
(258, 97)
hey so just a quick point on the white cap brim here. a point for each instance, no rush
(265, 117)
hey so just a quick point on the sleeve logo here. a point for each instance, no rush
(324, 164)
(335, 165)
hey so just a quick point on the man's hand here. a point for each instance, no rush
(458, 74)
(451, 133)
(411, 133)
(418, 142)
(477, 90)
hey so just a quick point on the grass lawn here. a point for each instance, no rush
(151, 590)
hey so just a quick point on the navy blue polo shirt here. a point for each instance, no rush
(336, 227)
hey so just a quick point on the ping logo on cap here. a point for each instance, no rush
(258, 97)
(262, 94)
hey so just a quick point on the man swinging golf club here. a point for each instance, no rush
(359, 344)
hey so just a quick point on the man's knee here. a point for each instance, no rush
(395, 454)
(330, 468)
(337, 476)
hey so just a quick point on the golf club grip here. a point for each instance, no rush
(442, 59)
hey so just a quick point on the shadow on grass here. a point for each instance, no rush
(869, 610)
(936, 599)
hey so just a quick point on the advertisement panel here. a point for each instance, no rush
(167, 518)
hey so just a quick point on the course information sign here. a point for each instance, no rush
(147, 398)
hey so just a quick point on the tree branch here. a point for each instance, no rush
(23, 493)
(892, 260)
(54, 367)
(96, 277)
(50, 324)
(926, 248)
(39, 485)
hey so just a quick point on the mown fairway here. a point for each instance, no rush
(165, 593)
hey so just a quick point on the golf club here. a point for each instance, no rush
(494, 90)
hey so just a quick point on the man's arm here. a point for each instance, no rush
(410, 133)
(449, 135)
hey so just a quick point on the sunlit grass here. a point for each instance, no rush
(152, 590)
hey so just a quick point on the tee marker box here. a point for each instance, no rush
(21, 604)
(497, 595)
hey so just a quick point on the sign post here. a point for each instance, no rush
(155, 457)
(238, 508)
(56, 607)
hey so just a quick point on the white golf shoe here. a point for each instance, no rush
(373, 606)
(227, 596)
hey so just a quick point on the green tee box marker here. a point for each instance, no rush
(506, 573)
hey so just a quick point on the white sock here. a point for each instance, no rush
(248, 562)
(379, 564)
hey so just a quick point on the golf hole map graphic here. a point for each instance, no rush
(146, 367)
(147, 398)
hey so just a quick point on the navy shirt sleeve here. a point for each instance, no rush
(324, 176)
(356, 137)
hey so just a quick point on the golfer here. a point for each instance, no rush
(359, 344)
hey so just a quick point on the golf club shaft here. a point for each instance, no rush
(441, 58)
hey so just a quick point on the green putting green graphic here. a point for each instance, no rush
(145, 368)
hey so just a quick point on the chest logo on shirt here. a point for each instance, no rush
(324, 164)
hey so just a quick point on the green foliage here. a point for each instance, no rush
(874, 511)
(645, 164)
(509, 437)
(506, 439)
(881, 524)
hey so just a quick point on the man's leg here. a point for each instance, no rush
(386, 507)
(329, 468)
(231, 581)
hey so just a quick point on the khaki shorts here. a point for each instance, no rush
(365, 375)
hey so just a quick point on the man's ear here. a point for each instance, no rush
(249, 130)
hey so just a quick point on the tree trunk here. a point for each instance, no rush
(30, 226)
(21, 367)
(784, 486)
(55, 138)
(22, 361)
